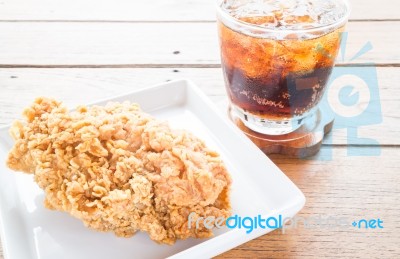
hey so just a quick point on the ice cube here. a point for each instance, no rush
(289, 14)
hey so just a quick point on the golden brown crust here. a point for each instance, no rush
(118, 169)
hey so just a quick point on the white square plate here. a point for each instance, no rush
(28, 230)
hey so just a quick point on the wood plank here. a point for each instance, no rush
(154, 10)
(20, 86)
(156, 44)
(345, 187)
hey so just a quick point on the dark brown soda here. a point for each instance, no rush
(276, 79)
(275, 95)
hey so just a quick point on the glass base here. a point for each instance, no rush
(301, 143)
(266, 126)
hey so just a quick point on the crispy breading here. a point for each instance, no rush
(118, 169)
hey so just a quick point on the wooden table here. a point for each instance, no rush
(79, 51)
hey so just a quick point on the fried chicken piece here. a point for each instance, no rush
(118, 169)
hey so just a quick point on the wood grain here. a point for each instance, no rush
(343, 187)
(155, 44)
(143, 37)
(153, 10)
(348, 187)
(20, 86)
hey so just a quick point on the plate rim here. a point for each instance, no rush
(293, 207)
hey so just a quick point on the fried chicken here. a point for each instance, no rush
(118, 169)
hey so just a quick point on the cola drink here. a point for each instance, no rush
(277, 57)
